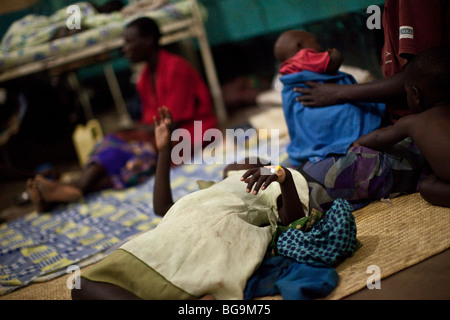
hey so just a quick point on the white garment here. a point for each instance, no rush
(211, 241)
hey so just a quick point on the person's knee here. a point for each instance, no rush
(425, 187)
(435, 191)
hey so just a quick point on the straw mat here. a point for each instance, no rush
(395, 235)
(55, 289)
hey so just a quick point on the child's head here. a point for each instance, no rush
(289, 43)
(427, 79)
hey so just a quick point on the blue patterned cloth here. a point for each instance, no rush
(330, 240)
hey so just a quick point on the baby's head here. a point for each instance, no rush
(427, 79)
(292, 41)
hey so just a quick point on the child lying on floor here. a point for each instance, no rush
(193, 246)
(209, 242)
(317, 132)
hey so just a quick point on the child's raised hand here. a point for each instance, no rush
(261, 178)
(163, 128)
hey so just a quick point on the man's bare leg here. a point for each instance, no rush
(35, 197)
(54, 191)
(45, 193)
(93, 178)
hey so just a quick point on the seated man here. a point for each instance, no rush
(128, 157)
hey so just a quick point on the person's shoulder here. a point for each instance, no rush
(438, 112)
(173, 57)
(407, 124)
(176, 64)
(424, 118)
(410, 118)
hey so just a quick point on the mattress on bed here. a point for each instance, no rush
(30, 38)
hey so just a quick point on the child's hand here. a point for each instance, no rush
(163, 128)
(262, 177)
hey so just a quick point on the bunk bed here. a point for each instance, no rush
(22, 55)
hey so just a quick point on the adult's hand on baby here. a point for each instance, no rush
(261, 178)
(163, 128)
(318, 94)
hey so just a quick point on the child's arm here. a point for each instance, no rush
(383, 138)
(291, 208)
(162, 192)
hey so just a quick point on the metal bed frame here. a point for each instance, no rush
(191, 27)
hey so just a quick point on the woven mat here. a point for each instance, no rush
(394, 235)
(55, 289)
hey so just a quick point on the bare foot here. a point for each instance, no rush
(35, 197)
(53, 191)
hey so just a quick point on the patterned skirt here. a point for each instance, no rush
(127, 163)
(364, 175)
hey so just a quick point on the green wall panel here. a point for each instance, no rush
(234, 20)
